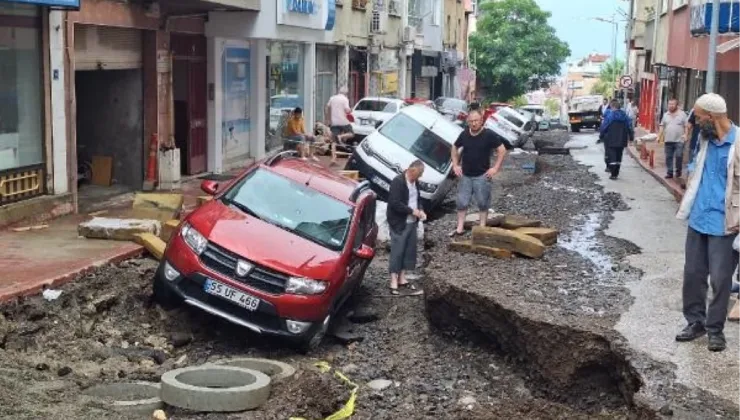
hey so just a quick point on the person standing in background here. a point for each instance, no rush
(616, 133)
(672, 131)
(336, 114)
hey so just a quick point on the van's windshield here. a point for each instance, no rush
(417, 139)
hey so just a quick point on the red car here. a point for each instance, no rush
(278, 250)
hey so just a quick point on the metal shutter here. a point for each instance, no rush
(423, 88)
(107, 48)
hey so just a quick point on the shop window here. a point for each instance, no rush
(21, 92)
(285, 87)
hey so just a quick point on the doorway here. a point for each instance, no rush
(189, 84)
(110, 130)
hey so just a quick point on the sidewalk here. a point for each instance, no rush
(33, 260)
(658, 171)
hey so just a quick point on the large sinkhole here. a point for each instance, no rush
(564, 364)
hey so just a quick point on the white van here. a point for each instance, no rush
(416, 132)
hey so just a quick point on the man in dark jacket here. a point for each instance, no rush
(404, 213)
(616, 131)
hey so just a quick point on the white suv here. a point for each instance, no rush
(369, 113)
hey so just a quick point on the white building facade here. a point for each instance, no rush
(261, 64)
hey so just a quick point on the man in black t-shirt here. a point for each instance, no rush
(475, 145)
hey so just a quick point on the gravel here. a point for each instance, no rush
(104, 327)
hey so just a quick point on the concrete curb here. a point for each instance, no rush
(37, 287)
(276, 370)
(671, 186)
(215, 388)
(118, 397)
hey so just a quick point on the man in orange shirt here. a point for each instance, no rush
(295, 131)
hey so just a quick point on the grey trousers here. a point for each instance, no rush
(713, 257)
(403, 249)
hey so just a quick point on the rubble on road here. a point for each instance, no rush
(117, 229)
(493, 220)
(509, 240)
(152, 243)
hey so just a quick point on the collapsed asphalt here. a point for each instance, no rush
(105, 328)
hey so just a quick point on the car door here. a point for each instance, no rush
(365, 234)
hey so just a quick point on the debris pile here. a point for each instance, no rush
(506, 235)
(150, 222)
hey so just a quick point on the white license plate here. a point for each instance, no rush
(366, 122)
(221, 290)
(382, 184)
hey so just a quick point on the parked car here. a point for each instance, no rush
(509, 137)
(530, 116)
(278, 250)
(517, 122)
(417, 132)
(369, 113)
(541, 117)
(279, 104)
(452, 108)
(493, 108)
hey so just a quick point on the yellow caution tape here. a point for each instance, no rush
(349, 407)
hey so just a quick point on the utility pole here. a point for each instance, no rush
(713, 35)
(403, 58)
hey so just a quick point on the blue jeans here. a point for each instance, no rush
(478, 187)
(674, 153)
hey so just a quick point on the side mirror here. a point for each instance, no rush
(378, 124)
(209, 187)
(365, 252)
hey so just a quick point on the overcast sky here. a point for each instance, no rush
(570, 18)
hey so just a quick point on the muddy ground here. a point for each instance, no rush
(105, 327)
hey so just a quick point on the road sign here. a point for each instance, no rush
(625, 82)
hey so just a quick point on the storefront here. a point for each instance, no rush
(326, 77)
(282, 72)
(25, 136)
(426, 82)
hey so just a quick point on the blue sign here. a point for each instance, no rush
(331, 18)
(306, 7)
(73, 4)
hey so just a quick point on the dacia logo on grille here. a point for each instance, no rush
(243, 268)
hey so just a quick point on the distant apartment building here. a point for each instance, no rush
(584, 74)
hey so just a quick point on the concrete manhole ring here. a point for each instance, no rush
(215, 388)
(276, 370)
(131, 397)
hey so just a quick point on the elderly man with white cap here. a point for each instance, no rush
(712, 206)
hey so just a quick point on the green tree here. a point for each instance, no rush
(608, 78)
(514, 49)
(519, 101)
(552, 106)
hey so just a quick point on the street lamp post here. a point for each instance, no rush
(712, 61)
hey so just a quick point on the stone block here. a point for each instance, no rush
(168, 229)
(515, 222)
(546, 235)
(494, 220)
(158, 206)
(203, 199)
(508, 240)
(152, 243)
(467, 246)
(117, 229)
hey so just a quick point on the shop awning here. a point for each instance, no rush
(67, 4)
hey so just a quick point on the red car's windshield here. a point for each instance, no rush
(293, 207)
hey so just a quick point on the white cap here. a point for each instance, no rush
(712, 103)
